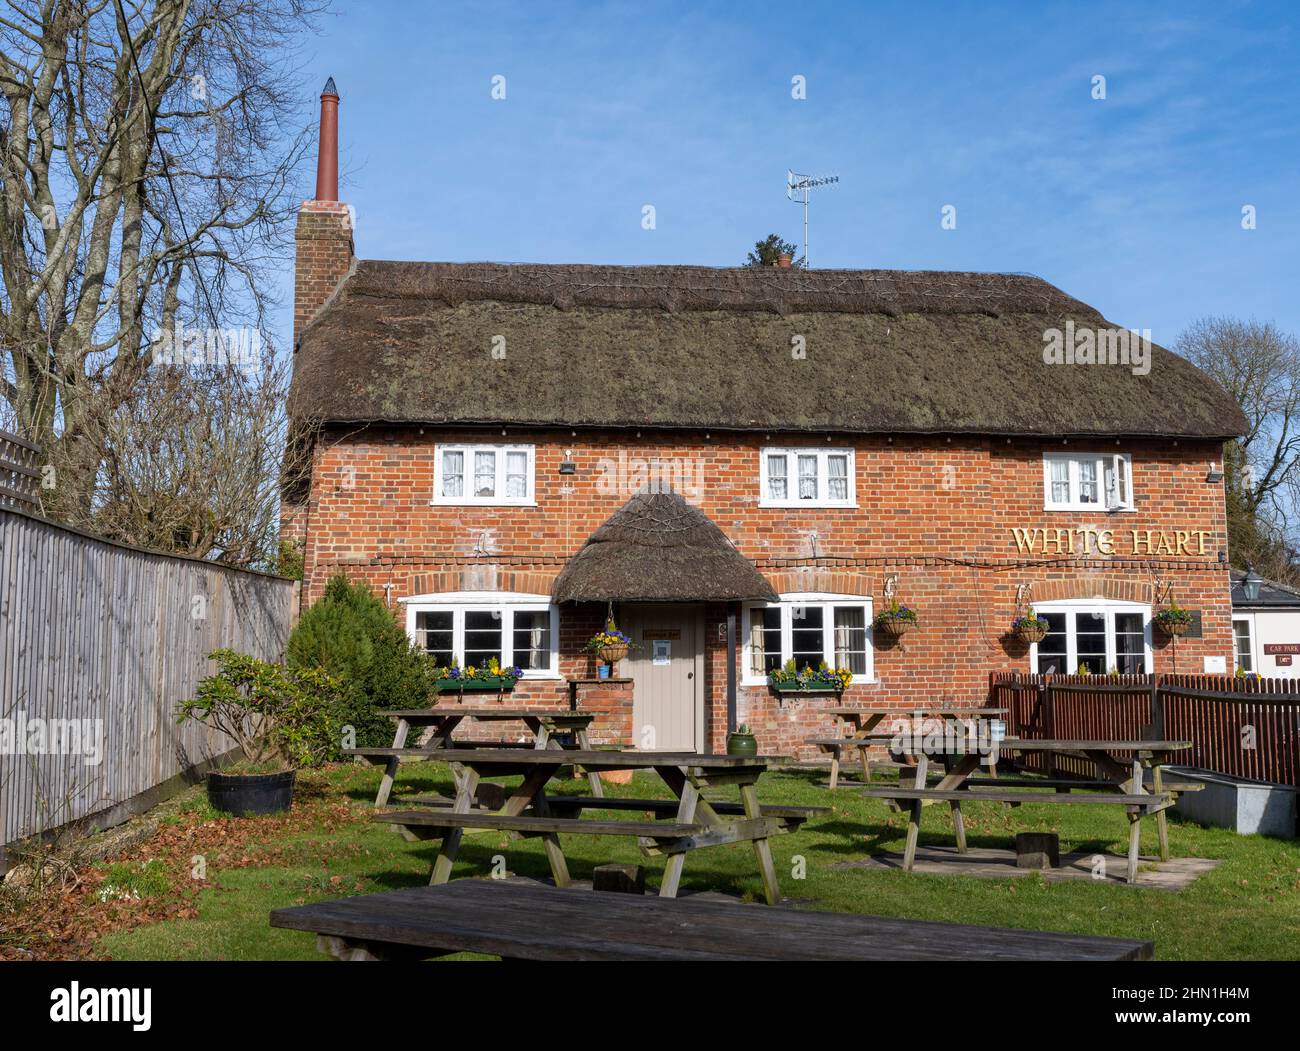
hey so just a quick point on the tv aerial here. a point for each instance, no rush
(797, 188)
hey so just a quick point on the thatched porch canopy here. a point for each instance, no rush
(658, 548)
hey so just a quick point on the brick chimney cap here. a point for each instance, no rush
(330, 89)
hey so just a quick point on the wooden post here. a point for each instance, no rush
(731, 667)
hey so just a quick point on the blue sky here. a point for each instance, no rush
(1132, 203)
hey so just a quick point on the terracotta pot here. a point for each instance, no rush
(617, 777)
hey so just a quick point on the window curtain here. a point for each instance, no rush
(453, 473)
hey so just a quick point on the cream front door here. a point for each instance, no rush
(666, 665)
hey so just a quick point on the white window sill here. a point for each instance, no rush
(822, 504)
(1089, 509)
(482, 503)
(857, 681)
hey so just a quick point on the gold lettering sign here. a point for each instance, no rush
(650, 634)
(1085, 540)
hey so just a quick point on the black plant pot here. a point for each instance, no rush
(249, 794)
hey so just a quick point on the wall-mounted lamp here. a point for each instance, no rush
(1214, 474)
(1250, 585)
(567, 466)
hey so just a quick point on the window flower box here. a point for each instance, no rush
(493, 678)
(821, 680)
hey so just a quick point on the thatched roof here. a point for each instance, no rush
(887, 352)
(658, 548)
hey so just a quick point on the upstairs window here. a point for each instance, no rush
(484, 474)
(806, 478)
(1087, 482)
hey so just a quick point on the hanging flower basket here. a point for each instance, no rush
(610, 645)
(1030, 628)
(1173, 620)
(896, 621)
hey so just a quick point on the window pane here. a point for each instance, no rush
(1130, 644)
(532, 639)
(1060, 480)
(765, 640)
(851, 639)
(1241, 635)
(517, 474)
(1090, 642)
(433, 634)
(482, 636)
(807, 477)
(1087, 481)
(807, 641)
(1052, 650)
(453, 473)
(485, 474)
(777, 483)
(837, 477)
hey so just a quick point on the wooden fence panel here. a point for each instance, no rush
(109, 638)
(1241, 727)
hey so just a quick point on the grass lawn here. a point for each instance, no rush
(1248, 908)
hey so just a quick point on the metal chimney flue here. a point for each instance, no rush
(327, 159)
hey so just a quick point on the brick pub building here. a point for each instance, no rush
(807, 446)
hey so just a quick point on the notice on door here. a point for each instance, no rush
(662, 652)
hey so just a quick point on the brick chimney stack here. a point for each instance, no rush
(324, 233)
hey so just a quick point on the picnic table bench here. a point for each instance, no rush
(859, 730)
(696, 822)
(1124, 787)
(519, 921)
(560, 728)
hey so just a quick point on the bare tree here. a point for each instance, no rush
(1259, 365)
(147, 157)
(191, 459)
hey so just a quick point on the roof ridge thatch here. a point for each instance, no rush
(887, 352)
(659, 548)
(693, 288)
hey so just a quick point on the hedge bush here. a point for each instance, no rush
(352, 635)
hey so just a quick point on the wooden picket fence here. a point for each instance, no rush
(1241, 727)
(19, 472)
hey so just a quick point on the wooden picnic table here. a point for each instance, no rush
(696, 823)
(547, 727)
(857, 729)
(1124, 777)
(518, 921)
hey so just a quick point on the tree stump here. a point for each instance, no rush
(619, 879)
(1038, 850)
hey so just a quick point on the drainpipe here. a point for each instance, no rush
(731, 667)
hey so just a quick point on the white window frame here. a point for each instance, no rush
(1249, 621)
(788, 603)
(1102, 460)
(792, 454)
(467, 450)
(1108, 608)
(507, 603)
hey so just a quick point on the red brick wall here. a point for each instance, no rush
(937, 513)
